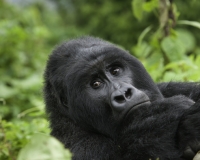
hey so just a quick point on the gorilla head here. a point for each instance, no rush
(96, 84)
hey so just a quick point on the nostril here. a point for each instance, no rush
(119, 99)
(128, 94)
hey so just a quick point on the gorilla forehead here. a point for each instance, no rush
(98, 53)
(97, 58)
(79, 54)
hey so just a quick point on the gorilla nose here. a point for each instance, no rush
(122, 97)
(119, 99)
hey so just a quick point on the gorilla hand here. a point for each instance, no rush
(188, 132)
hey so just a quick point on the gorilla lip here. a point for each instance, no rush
(147, 102)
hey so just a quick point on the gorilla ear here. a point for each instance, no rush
(59, 95)
(56, 97)
(63, 102)
(53, 89)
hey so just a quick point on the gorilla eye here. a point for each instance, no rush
(114, 71)
(96, 84)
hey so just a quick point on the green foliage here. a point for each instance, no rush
(45, 148)
(26, 40)
(111, 20)
(15, 135)
(177, 45)
(139, 6)
(168, 49)
(169, 53)
(190, 23)
(22, 40)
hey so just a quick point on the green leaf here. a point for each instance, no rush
(190, 23)
(137, 6)
(43, 147)
(143, 34)
(169, 76)
(187, 39)
(142, 50)
(150, 5)
(173, 48)
(178, 45)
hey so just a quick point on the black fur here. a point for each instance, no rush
(103, 105)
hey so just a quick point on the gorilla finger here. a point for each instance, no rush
(195, 146)
(188, 154)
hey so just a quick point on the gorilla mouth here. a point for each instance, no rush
(141, 103)
(136, 106)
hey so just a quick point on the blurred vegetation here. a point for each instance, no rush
(163, 34)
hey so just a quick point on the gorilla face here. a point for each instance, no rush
(99, 84)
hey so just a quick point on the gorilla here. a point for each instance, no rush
(103, 105)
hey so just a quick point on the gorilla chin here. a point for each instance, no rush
(137, 106)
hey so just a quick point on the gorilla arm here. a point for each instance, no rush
(151, 131)
(189, 128)
(188, 89)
